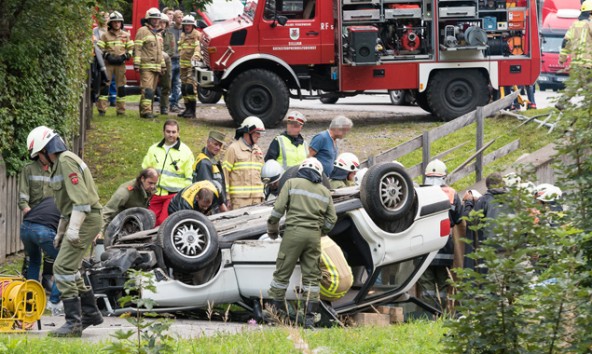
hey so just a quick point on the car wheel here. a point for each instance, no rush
(189, 240)
(292, 172)
(387, 192)
(332, 99)
(397, 97)
(208, 96)
(127, 222)
(452, 93)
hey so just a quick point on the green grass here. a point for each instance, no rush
(414, 337)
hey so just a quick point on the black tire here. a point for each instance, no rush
(543, 87)
(189, 240)
(291, 172)
(128, 222)
(208, 96)
(329, 99)
(260, 93)
(421, 99)
(397, 97)
(387, 192)
(452, 93)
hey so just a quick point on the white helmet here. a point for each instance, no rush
(271, 171)
(164, 17)
(38, 139)
(512, 179)
(546, 192)
(528, 187)
(188, 20)
(436, 168)
(295, 116)
(115, 16)
(153, 12)
(360, 176)
(348, 162)
(313, 164)
(476, 194)
(253, 124)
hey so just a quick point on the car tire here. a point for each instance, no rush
(127, 222)
(452, 93)
(208, 96)
(260, 93)
(331, 99)
(189, 240)
(398, 97)
(292, 172)
(387, 192)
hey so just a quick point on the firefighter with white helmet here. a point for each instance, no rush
(434, 281)
(512, 180)
(188, 45)
(577, 42)
(77, 199)
(117, 47)
(310, 215)
(345, 168)
(271, 173)
(549, 194)
(168, 49)
(242, 165)
(289, 148)
(148, 59)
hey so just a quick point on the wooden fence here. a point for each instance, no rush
(474, 163)
(10, 214)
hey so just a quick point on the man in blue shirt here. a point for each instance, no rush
(323, 145)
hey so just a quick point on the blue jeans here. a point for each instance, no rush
(113, 91)
(38, 238)
(175, 82)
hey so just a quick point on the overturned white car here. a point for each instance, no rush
(388, 231)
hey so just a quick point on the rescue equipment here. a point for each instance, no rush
(23, 303)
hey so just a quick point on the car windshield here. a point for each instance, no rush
(551, 44)
(221, 10)
(250, 8)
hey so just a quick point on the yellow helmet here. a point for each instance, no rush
(586, 6)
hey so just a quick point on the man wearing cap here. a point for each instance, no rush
(289, 148)
(207, 167)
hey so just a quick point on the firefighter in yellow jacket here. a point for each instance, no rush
(242, 165)
(578, 39)
(188, 45)
(117, 47)
(148, 60)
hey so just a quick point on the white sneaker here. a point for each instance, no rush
(56, 309)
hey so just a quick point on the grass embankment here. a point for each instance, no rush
(415, 337)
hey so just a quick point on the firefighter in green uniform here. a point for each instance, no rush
(310, 214)
(131, 194)
(344, 173)
(78, 201)
(202, 196)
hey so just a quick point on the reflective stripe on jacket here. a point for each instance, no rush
(33, 185)
(290, 154)
(187, 47)
(577, 42)
(116, 42)
(242, 170)
(174, 166)
(148, 50)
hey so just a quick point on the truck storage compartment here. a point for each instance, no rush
(361, 15)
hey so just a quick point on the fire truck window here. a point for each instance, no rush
(270, 6)
(292, 9)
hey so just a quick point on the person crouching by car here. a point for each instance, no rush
(202, 196)
(310, 215)
(271, 173)
(344, 173)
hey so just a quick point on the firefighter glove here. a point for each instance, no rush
(73, 232)
(60, 234)
(273, 230)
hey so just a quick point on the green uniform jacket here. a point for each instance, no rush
(128, 195)
(73, 185)
(338, 183)
(33, 185)
(308, 205)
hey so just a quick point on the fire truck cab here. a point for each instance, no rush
(450, 52)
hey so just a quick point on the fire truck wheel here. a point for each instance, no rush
(208, 96)
(329, 99)
(260, 93)
(189, 240)
(422, 101)
(128, 222)
(387, 191)
(452, 93)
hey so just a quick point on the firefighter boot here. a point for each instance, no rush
(190, 110)
(312, 308)
(73, 325)
(91, 315)
(279, 306)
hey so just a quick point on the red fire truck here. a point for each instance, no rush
(451, 52)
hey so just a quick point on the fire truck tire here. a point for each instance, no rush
(329, 100)
(128, 222)
(422, 101)
(452, 93)
(189, 240)
(260, 93)
(208, 96)
(387, 192)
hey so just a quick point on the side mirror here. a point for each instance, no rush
(279, 19)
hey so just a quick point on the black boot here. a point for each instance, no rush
(312, 308)
(73, 325)
(91, 315)
(277, 312)
(182, 114)
(190, 110)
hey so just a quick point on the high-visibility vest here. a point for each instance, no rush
(289, 154)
